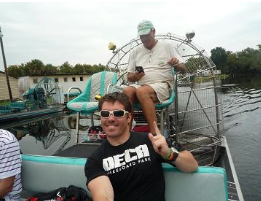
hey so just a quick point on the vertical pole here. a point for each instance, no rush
(5, 66)
(177, 129)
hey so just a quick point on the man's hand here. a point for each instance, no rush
(185, 161)
(173, 61)
(159, 142)
(178, 66)
(133, 77)
(138, 75)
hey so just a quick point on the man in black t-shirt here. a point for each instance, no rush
(127, 167)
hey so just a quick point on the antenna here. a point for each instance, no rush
(5, 66)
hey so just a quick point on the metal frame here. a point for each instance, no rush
(197, 63)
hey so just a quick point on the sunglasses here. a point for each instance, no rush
(115, 113)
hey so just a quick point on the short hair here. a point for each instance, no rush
(116, 96)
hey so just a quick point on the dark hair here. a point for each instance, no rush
(116, 96)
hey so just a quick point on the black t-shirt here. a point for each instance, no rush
(134, 169)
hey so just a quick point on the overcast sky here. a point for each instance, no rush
(80, 32)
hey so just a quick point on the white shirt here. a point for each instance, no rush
(154, 62)
(10, 163)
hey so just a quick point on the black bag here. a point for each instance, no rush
(75, 193)
(72, 193)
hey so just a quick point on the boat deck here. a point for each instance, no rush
(232, 192)
(83, 150)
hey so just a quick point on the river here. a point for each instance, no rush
(242, 127)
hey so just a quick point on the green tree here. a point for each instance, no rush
(247, 61)
(219, 57)
(257, 59)
(35, 67)
(25, 69)
(259, 47)
(97, 68)
(78, 69)
(50, 69)
(232, 63)
(15, 71)
(66, 68)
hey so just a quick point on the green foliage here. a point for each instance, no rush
(16, 71)
(78, 69)
(36, 67)
(66, 68)
(51, 70)
(247, 61)
(219, 57)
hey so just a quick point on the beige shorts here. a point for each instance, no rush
(162, 90)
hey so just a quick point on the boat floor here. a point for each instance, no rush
(83, 150)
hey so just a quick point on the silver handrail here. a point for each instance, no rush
(68, 93)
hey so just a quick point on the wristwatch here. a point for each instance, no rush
(173, 155)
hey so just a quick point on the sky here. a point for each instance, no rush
(80, 32)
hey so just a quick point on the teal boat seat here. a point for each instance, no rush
(46, 173)
(207, 183)
(98, 84)
(85, 104)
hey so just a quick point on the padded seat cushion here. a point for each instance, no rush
(88, 107)
(98, 84)
(47, 173)
(208, 183)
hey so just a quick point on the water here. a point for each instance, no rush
(242, 127)
(242, 112)
(47, 136)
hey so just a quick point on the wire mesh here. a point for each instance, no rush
(195, 117)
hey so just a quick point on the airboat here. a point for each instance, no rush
(43, 99)
(191, 118)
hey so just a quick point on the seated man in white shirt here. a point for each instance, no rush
(10, 167)
(157, 59)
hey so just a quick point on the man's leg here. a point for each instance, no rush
(147, 96)
(131, 93)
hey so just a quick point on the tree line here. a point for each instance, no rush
(37, 68)
(247, 61)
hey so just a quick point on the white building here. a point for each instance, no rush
(64, 82)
